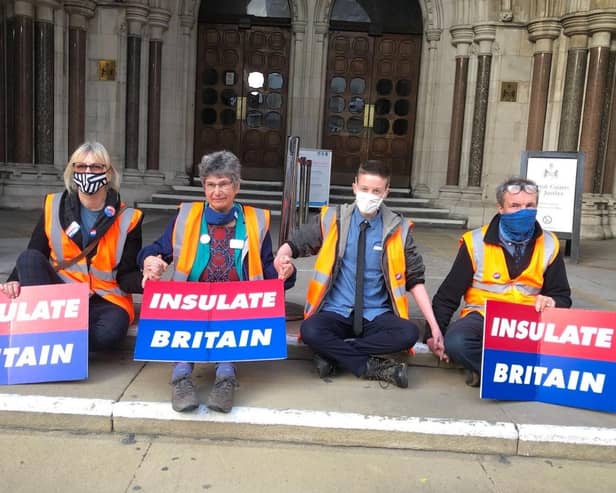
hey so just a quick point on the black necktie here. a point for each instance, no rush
(359, 280)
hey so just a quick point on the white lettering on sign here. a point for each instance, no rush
(17, 357)
(24, 311)
(542, 376)
(206, 302)
(583, 335)
(213, 339)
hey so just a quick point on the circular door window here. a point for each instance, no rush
(356, 105)
(210, 96)
(254, 119)
(381, 126)
(274, 81)
(336, 104)
(384, 87)
(335, 124)
(338, 84)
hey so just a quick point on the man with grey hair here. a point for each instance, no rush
(510, 259)
(218, 240)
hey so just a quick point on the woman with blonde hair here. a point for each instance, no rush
(87, 234)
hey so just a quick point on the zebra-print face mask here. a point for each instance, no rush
(90, 183)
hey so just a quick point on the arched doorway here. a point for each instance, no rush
(371, 85)
(242, 83)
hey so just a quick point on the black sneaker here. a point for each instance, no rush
(386, 370)
(183, 395)
(324, 367)
(221, 396)
(472, 378)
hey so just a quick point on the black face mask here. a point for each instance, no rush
(90, 183)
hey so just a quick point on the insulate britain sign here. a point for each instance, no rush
(220, 321)
(560, 356)
(44, 334)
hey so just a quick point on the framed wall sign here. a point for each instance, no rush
(559, 177)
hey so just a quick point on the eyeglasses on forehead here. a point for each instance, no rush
(518, 187)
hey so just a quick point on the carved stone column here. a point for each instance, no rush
(44, 82)
(609, 165)
(484, 37)
(187, 80)
(576, 28)
(159, 21)
(79, 12)
(542, 32)
(136, 17)
(3, 120)
(600, 24)
(462, 38)
(22, 83)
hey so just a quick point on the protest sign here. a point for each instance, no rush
(221, 321)
(44, 334)
(559, 356)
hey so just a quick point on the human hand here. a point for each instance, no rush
(436, 344)
(154, 266)
(282, 262)
(11, 289)
(543, 302)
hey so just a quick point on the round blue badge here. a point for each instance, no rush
(496, 275)
(110, 211)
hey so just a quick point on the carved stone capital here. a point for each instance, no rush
(79, 12)
(23, 8)
(575, 25)
(485, 34)
(159, 22)
(546, 28)
(136, 16)
(433, 34)
(299, 26)
(602, 21)
(187, 16)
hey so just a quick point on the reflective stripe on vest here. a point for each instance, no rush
(394, 265)
(324, 263)
(101, 275)
(188, 228)
(491, 277)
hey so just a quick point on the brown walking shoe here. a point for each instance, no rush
(183, 395)
(221, 396)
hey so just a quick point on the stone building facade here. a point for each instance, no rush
(451, 92)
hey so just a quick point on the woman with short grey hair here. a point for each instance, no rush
(216, 240)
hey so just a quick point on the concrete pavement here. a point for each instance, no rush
(285, 401)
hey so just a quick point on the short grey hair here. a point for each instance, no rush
(514, 180)
(221, 163)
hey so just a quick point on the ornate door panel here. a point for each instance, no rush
(394, 100)
(264, 107)
(345, 127)
(241, 98)
(371, 102)
(219, 87)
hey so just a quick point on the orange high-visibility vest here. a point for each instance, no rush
(188, 228)
(491, 279)
(100, 275)
(393, 263)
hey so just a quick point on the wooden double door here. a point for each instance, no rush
(371, 102)
(242, 96)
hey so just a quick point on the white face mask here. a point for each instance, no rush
(367, 203)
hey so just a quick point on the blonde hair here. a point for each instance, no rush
(100, 154)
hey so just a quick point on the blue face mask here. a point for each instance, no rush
(519, 225)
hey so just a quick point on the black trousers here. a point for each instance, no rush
(331, 335)
(464, 341)
(107, 322)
